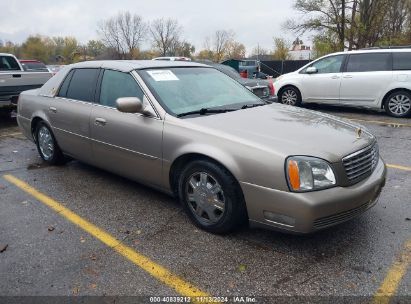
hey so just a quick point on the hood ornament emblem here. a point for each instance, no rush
(359, 133)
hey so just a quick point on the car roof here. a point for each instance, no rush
(372, 50)
(130, 65)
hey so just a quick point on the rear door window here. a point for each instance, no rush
(371, 62)
(118, 84)
(82, 85)
(8, 63)
(65, 84)
(402, 61)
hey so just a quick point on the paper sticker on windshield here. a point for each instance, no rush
(162, 75)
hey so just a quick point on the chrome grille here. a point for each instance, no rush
(361, 163)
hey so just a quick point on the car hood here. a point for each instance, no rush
(287, 130)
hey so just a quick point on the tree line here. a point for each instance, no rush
(123, 36)
(336, 25)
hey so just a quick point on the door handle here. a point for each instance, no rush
(348, 76)
(53, 109)
(16, 76)
(100, 121)
(335, 77)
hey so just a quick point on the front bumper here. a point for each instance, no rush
(312, 211)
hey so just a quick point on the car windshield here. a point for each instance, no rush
(34, 66)
(182, 90)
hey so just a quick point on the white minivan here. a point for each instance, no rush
(373, 78)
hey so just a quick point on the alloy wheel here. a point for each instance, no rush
(46, 142)
(399, 104)
(205, 198)
(289, 97)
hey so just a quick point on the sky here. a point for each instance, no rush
(254, 21)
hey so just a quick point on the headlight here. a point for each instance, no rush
(308, 174)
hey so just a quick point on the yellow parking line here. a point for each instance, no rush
(380, 122)
(398, 167)
(394, 276)
(157, 271)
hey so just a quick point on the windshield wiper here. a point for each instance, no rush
(204, 111)
(247, 106)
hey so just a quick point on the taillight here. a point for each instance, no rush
(271, 86)
(244, 74)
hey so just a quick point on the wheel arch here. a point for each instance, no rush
(34, 121)
(288, 86)
(182, 160)
(385, 98)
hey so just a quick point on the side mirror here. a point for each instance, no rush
(129, 105)
(311, 70)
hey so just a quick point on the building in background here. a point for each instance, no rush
(299, 51)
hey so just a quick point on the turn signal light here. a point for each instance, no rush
(294, 175)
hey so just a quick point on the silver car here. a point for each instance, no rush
(195, 133)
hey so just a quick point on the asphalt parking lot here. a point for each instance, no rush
(77, 230)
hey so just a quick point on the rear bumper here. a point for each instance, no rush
(7, 92)
(312, 211)
(25, 126)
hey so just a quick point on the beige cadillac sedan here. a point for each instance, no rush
(193, 132)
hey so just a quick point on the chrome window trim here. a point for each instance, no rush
(73, 100)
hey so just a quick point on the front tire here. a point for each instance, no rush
(398, 104)
(290, 96)
(211, 197)
(47, 145)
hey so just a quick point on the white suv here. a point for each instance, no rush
(374, 78)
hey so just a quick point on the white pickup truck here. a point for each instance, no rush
(14, 80)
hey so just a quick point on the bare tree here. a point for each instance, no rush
(259, 51)
(236, 50)
(124, 33)
(165, 34)
(221, 42)
(353, 23)
(320, 15)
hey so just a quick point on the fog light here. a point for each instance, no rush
(279, 218)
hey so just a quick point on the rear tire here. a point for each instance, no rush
(47, 145)
(398, 104)
(211, 197)
(290, 96)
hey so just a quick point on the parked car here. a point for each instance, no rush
(262, 88)
(33, 65)
(14, 80)
(173, 58)
(373, 78)
(192, 132)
